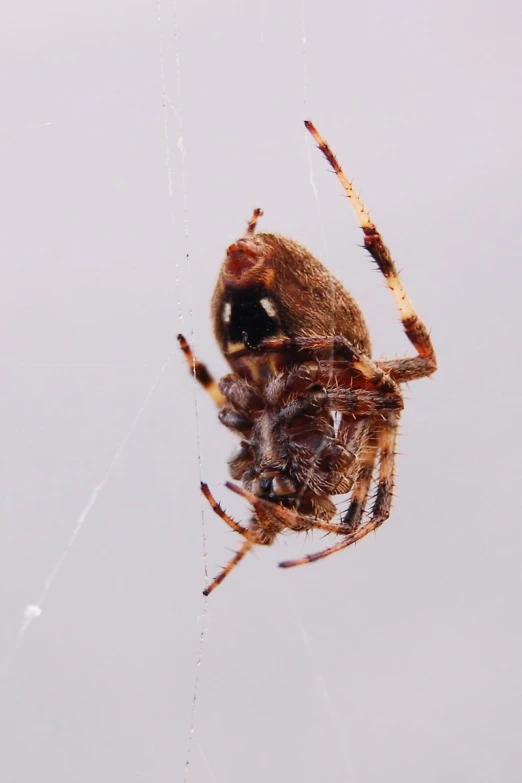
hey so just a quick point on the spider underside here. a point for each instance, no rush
(317, 417)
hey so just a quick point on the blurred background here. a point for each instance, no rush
(135, 141)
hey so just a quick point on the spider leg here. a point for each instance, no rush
(384, 496)
(361, 486)
(382, 504)
(268, 510)
(361, 402)
(252, 223)
(414, 327)
(271, 514)
(338, 346)
(216, 508)
(247, 545)
(346, 400)
(201, 373)
(368, 454)
(405, 369)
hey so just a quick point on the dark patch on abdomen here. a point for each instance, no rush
(249, 316)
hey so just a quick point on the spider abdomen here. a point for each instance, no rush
(272, 287)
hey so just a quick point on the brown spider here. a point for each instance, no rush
(315, 413)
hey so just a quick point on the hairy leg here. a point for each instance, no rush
(217, 509)
(414, 327)
(339, 347)
(348, 401)
(382, 503)
(247, 546)
(252, 223)
(201, 373)
(405, 369)
(280, 517)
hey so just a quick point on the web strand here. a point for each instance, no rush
(177, 109)
(34, 611)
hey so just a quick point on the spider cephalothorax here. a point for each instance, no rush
(314, 412)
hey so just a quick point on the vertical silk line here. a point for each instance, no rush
(304, 55)
(178, 113)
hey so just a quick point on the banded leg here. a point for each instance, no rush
(252, 223)
(273, 517)
(216, 508)
(361, 402)
(405, 369)
(382, 504)
(339, 347)
(247, 546)
(201, 373)
(414, 327)
(348, 401)
(384, 495)
(352, 517)
(269, 511)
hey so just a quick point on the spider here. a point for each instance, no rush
(317, 416)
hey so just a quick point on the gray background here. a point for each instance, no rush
(398, 660)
